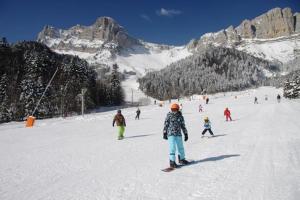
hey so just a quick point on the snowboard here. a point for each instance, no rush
(170, 169)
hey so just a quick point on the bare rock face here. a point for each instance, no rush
(87, 38)
(297, 22)
(275, 23)
(246, 29)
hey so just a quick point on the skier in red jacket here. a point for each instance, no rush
(227, 114)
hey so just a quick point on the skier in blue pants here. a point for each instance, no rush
(174, 123)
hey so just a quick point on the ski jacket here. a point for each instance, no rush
(119, 120)
(207, 125)
(138, 112)
(226, 112)
(174, 123)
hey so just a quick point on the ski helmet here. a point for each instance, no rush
(205, 118)
(119, 111)
(174, 106)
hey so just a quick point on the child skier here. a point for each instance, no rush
(173, 125)
(120, 120)
(207, 127)
(227, 114)
(200, 108)
(138, 112)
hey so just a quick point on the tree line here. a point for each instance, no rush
(27, 67)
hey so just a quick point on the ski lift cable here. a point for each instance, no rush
(37, 105)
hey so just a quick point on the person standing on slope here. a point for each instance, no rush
(200, 108)
(120, 121)
(227, 114)
(173, 125)
(138, 112)
(207, 100)
(207, 127)
(278, 98)
(255, 100)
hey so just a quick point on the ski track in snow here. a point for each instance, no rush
(256, 156)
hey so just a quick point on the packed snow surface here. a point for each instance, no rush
(256, 156)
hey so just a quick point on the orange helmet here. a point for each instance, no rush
(174, 106)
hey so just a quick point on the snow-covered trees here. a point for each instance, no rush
(292, 86)
(109, 90)
(215, 70)
(25, 70)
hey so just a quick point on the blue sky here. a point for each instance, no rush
(161, 21)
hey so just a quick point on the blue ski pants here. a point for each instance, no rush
(176, 142)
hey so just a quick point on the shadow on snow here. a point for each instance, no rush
(216, 158)
(137, 136)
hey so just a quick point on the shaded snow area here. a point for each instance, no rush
(256, 156)
(276, 50)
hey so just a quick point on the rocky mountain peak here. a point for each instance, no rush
(87, 38)
(275, 23)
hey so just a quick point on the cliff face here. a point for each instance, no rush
(105, 32)
(273, 24)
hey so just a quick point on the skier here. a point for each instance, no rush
(227, 114)
(207, 127)
(120, 121)
(255, 100)
(278, 98)
(138, 112)
(207, 100)
(154, 102)
(266, 97)
(200, 108)
(173, 125)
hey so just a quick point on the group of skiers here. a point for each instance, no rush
(174, 125)
(266, 98)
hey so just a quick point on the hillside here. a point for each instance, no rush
(216, 69)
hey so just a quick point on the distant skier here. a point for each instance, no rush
(266, 97)
(154, 102)
(227, 114)
(255, 100)
(278, 98)
(207, 127)
(138, 112)
(120, 121)
(200, 108)
(173, 125)
(207, 100)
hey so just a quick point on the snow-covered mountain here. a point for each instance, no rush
(274, 36)
(106, 42)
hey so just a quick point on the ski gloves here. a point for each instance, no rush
(186, 137)
(165, 136)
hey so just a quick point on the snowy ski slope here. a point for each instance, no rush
(256, 156)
